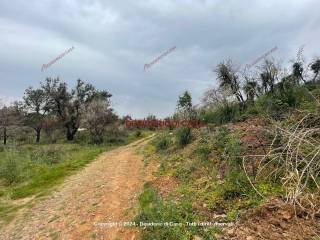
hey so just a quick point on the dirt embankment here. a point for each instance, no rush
(275, 220)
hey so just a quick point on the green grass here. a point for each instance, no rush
(154, 209)
(45, 177)
(34, 170)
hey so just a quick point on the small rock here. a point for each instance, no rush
(283, 225)
(286, 215)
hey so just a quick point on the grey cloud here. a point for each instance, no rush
(114, 39)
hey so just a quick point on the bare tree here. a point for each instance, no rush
(4, 123)
(98, 116)
(269, 75)
(250, 89)
(9, 117)
(213, 97)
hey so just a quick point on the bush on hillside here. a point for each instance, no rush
(203, 150)
(163, 142)
(224, 113)
(234, 150)
(221, 137)
(183, 136)
(286, 98)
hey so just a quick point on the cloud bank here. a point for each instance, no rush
(113, 40)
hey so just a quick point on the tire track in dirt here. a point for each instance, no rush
(104, 191)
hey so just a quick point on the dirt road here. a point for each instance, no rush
(103, 192)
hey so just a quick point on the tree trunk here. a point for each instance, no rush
(315, 77)
(271, 88)
(70, 135)
(241, 97)
(5, 136)
(38, 132)
(71, 132)
(98, 139)
(240, 100)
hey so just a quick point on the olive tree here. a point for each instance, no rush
(36, 107)
(68, 105)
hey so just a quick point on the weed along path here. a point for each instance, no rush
(86, 205)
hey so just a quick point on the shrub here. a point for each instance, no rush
(48, 155)
(295, 95)
(10, 170)
(234, 151)
(224, 113)
(163, 142)
(138, 133)
(82, 137)
(184, 172)
(226, 196)
(115, 140)
(221, 137)
(183, 136)
(279, 103)
(203, 151)
(274, 107)
(250, 111)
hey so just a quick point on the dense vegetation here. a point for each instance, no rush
(261, 141)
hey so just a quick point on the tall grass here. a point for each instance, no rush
(11, 167)
(183, 136)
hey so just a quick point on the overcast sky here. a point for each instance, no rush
(113, 40)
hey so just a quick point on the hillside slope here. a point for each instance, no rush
(234, 178)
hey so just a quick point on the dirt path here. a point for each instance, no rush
(103, 192)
